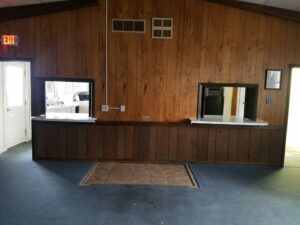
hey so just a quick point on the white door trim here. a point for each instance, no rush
(2, 145)
(27, 98)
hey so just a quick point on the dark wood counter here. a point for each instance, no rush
(158, 141)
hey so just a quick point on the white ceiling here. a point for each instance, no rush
(284, 4)
(8, 3)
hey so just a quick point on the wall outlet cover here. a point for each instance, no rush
(122, 108)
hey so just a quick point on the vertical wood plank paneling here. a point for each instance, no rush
(158, 143)
(203, 140)
(173, 143)
(152, 147)
(72, 141)
(144, 143)
(243, 145)
(93, 142)
(255, 146)
(129, 143)
(265, 146)
(157, 79)
(212, 132)
(39, 135)
(162, 143)
(222, 144)
(276, 147)
(184, 143)
(194, 144)
(52, 147)
(109, 142)
(233, 145)
(82, 132)
(136, 142)
(121, 139)
(62, 145)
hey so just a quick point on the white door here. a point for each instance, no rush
(14, 103)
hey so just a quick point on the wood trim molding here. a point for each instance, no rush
(267, 10)
(18, 12)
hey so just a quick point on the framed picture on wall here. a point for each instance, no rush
(273, 79)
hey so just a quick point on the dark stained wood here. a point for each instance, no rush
(267, 10)
(194, 144)
(265, 146)
(129, 143)
(222, 144)
(52, 145)
(72, 146)
(255, 146)
(184, 143)
(243, 145)
(136, 142)
(162, 143)
(173, 143)
(152, 144)
(276, 152)
(93, 142)
(144, 142)
(54, 140)
(121, 138)
(62, 141)
(39, 140)
(109, 142)
(203, 144)
(233, 145)
(212, 132)
(82, 141)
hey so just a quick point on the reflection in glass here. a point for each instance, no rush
(67, 97)
(224, 101)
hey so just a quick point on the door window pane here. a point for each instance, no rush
(14, 86)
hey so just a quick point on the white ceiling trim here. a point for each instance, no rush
(11, 3)
(282, 4)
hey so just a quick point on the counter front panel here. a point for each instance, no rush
(158, 142)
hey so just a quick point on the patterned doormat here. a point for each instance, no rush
(140, 174)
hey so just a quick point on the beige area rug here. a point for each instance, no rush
(140, 174)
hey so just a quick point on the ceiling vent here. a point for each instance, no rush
(127, 25)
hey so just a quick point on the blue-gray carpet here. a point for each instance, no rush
(47, 193)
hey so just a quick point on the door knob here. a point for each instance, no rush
(8, 109)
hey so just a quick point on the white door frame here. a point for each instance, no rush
(2, 145)
(27, 99)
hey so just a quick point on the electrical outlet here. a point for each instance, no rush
(122, 108)
(104, 108)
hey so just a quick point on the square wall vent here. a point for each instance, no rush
(162, 28)
(127, 25)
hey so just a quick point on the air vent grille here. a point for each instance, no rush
(127, 25)
(162, 28)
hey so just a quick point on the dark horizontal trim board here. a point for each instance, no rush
(18, 12)
(267, 10)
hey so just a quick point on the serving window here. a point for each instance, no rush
(69, 97)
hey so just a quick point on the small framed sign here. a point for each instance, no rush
(273, 79)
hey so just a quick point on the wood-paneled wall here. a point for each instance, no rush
(171, 142)
(157, 80)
